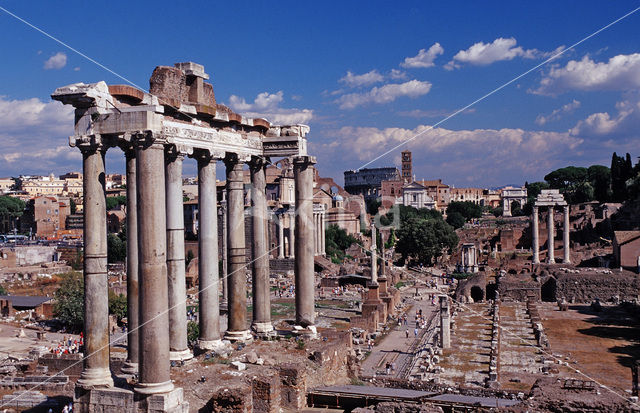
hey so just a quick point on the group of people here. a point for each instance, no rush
(68, 345)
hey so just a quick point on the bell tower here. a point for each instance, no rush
(407, 172)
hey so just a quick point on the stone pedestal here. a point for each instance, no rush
(304, 262)
(126, 401)
(237, 329)
(154, 366)
(96, 371)
(208, 254)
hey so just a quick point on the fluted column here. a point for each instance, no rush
(304, 275)
(565, 236)
(323, 248)
(96, 371)
(131, 365)
(154, 366)
(261, 323)
(178, 346)
(550, 255)
(280, 235)
(535, 236)
(208, 254)
(237, 329)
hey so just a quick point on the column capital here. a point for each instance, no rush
(91, 143)
(304, 160)
(147, 139)
(258, 162)
(174, 151)
(206, 155)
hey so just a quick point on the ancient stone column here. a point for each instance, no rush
(178, 346)
(223, 277)
(237, 329)
(550, 255)
(208, 254)
(445, 322)
(261, 323)
(323, 247)
(374, 254)
(535, 236)
(96, 371)
(565, 236)
(131, 365)
(292, 234)
(304, 275)
(280, 236)
(152, 258)
(383, 267)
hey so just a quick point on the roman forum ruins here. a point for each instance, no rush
(156, 131)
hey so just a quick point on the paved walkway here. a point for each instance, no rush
(396, 348)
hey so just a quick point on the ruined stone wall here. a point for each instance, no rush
(586, 287)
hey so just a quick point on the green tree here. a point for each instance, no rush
(115, 201)
(11, 208)
(600, 180)
(116, 249)
(425, 240)
(467, 209)
(337, 241)
(3, 291)
(455, 219)
(69, 304)
(72, 206)
(117, 305)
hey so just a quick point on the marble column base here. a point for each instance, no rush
(129, 368)
(262, 328)
(212, 345)
(180, 355)
(243, 336)
(154, 388)
(309, 332)
(95, 378)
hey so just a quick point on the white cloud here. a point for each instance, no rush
(57, 61)
(434, 113)
(558, 113)
(424, 58)
(385, 94)
(364, 79)
(34, 136)
(482, 54)
(266, 105)
(460, 154)
(398, 74)
(621, 72)
(621, 126)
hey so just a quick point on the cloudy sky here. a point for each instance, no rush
(370, 78)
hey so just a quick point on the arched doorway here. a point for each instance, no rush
(548, 290)
(477, 294)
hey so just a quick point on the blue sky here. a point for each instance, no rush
(366, 76)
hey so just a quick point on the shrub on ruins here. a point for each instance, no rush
(466, 209)
(3, 291)
(423, 241)
(115, 201)
(69, 304)
(193, 332)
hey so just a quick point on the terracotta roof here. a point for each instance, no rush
(622, 237)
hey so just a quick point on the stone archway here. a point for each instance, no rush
(477, 294)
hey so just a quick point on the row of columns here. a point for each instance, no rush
(550, 236)
(156, 289)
